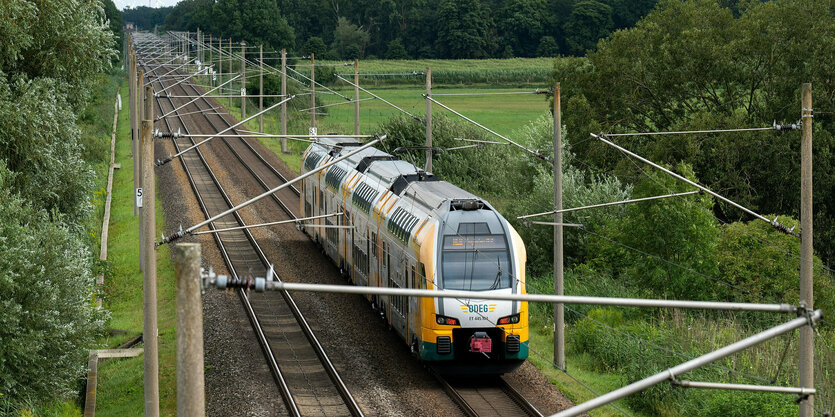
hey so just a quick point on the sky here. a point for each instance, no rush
(121, 4)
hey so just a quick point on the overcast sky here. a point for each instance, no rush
(121, 4)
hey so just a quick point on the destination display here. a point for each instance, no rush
(472, 242)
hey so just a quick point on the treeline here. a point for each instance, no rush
(695, 65)
(52, 57)
(399, 29)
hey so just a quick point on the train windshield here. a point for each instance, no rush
(476, 263)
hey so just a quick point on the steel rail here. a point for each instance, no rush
(505, 395)
(318, 349)
(265, 347)
(328, 366)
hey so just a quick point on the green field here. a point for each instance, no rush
(496, 72)
(504, 114)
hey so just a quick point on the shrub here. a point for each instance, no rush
(49, 319)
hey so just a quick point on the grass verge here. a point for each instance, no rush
(120, 381)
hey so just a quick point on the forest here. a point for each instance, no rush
(400, 29)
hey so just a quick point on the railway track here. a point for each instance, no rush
(306, 377)
(482, 397)
(487, 397)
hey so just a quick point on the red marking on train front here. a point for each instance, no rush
(481, 344)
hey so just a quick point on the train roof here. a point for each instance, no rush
(433, 194)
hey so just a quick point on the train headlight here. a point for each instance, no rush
(509, 319)
(448, 321)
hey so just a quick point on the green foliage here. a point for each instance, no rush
(764, 263)
(678, 238)
(114, 19)
(640, 79)
(523, 24)
(314, 45)
(589, 21)
(49, 318)
(548, 47)
(463, 29)
(396, 50)
(40, 142)
(33, 44)
(50, 54)
(148, 18)
(349, 41)
(635, 359)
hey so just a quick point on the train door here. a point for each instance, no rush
(397, 279)
(385, 272)
(413, 306)
(322, 206)
(349, 243)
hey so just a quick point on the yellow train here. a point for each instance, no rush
(407, 229)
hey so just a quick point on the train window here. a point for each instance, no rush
(475, 263)
(473, 229)
(312, 160)
(335, 176)
(374, 245)
(401, 223)
(422, 276)
(363, 196)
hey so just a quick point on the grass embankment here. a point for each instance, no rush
(120, 381)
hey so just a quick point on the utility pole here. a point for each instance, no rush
(191, 394)
(211, 62)
(138, 160)
(149, 282)
(356, 96)
(261, 88)
(559, 309)
(133, 117)
(230, 71)
(283, 96)
(312, 93)
(807, 341)
(428, 165)
(243, 80)
(199, 57)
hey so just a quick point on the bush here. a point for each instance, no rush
(666, 245)
(42, 145)
(49, 318)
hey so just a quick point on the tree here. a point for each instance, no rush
(521, 24)
(589, 22)
(396, 50)
(639, 80)
(49, 318)
(114, 18)
(548, 47)
(464, 29)
(680, 234)
(349, 41)
(314, 45)
(50, 53)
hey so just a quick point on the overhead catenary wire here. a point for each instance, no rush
(774, 223)
(694, 132)
(381, 99)
(636, 200)
(524, 148)
(220, 134)
(497, 93)
(182, 233)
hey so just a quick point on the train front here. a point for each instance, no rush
(477, 250)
